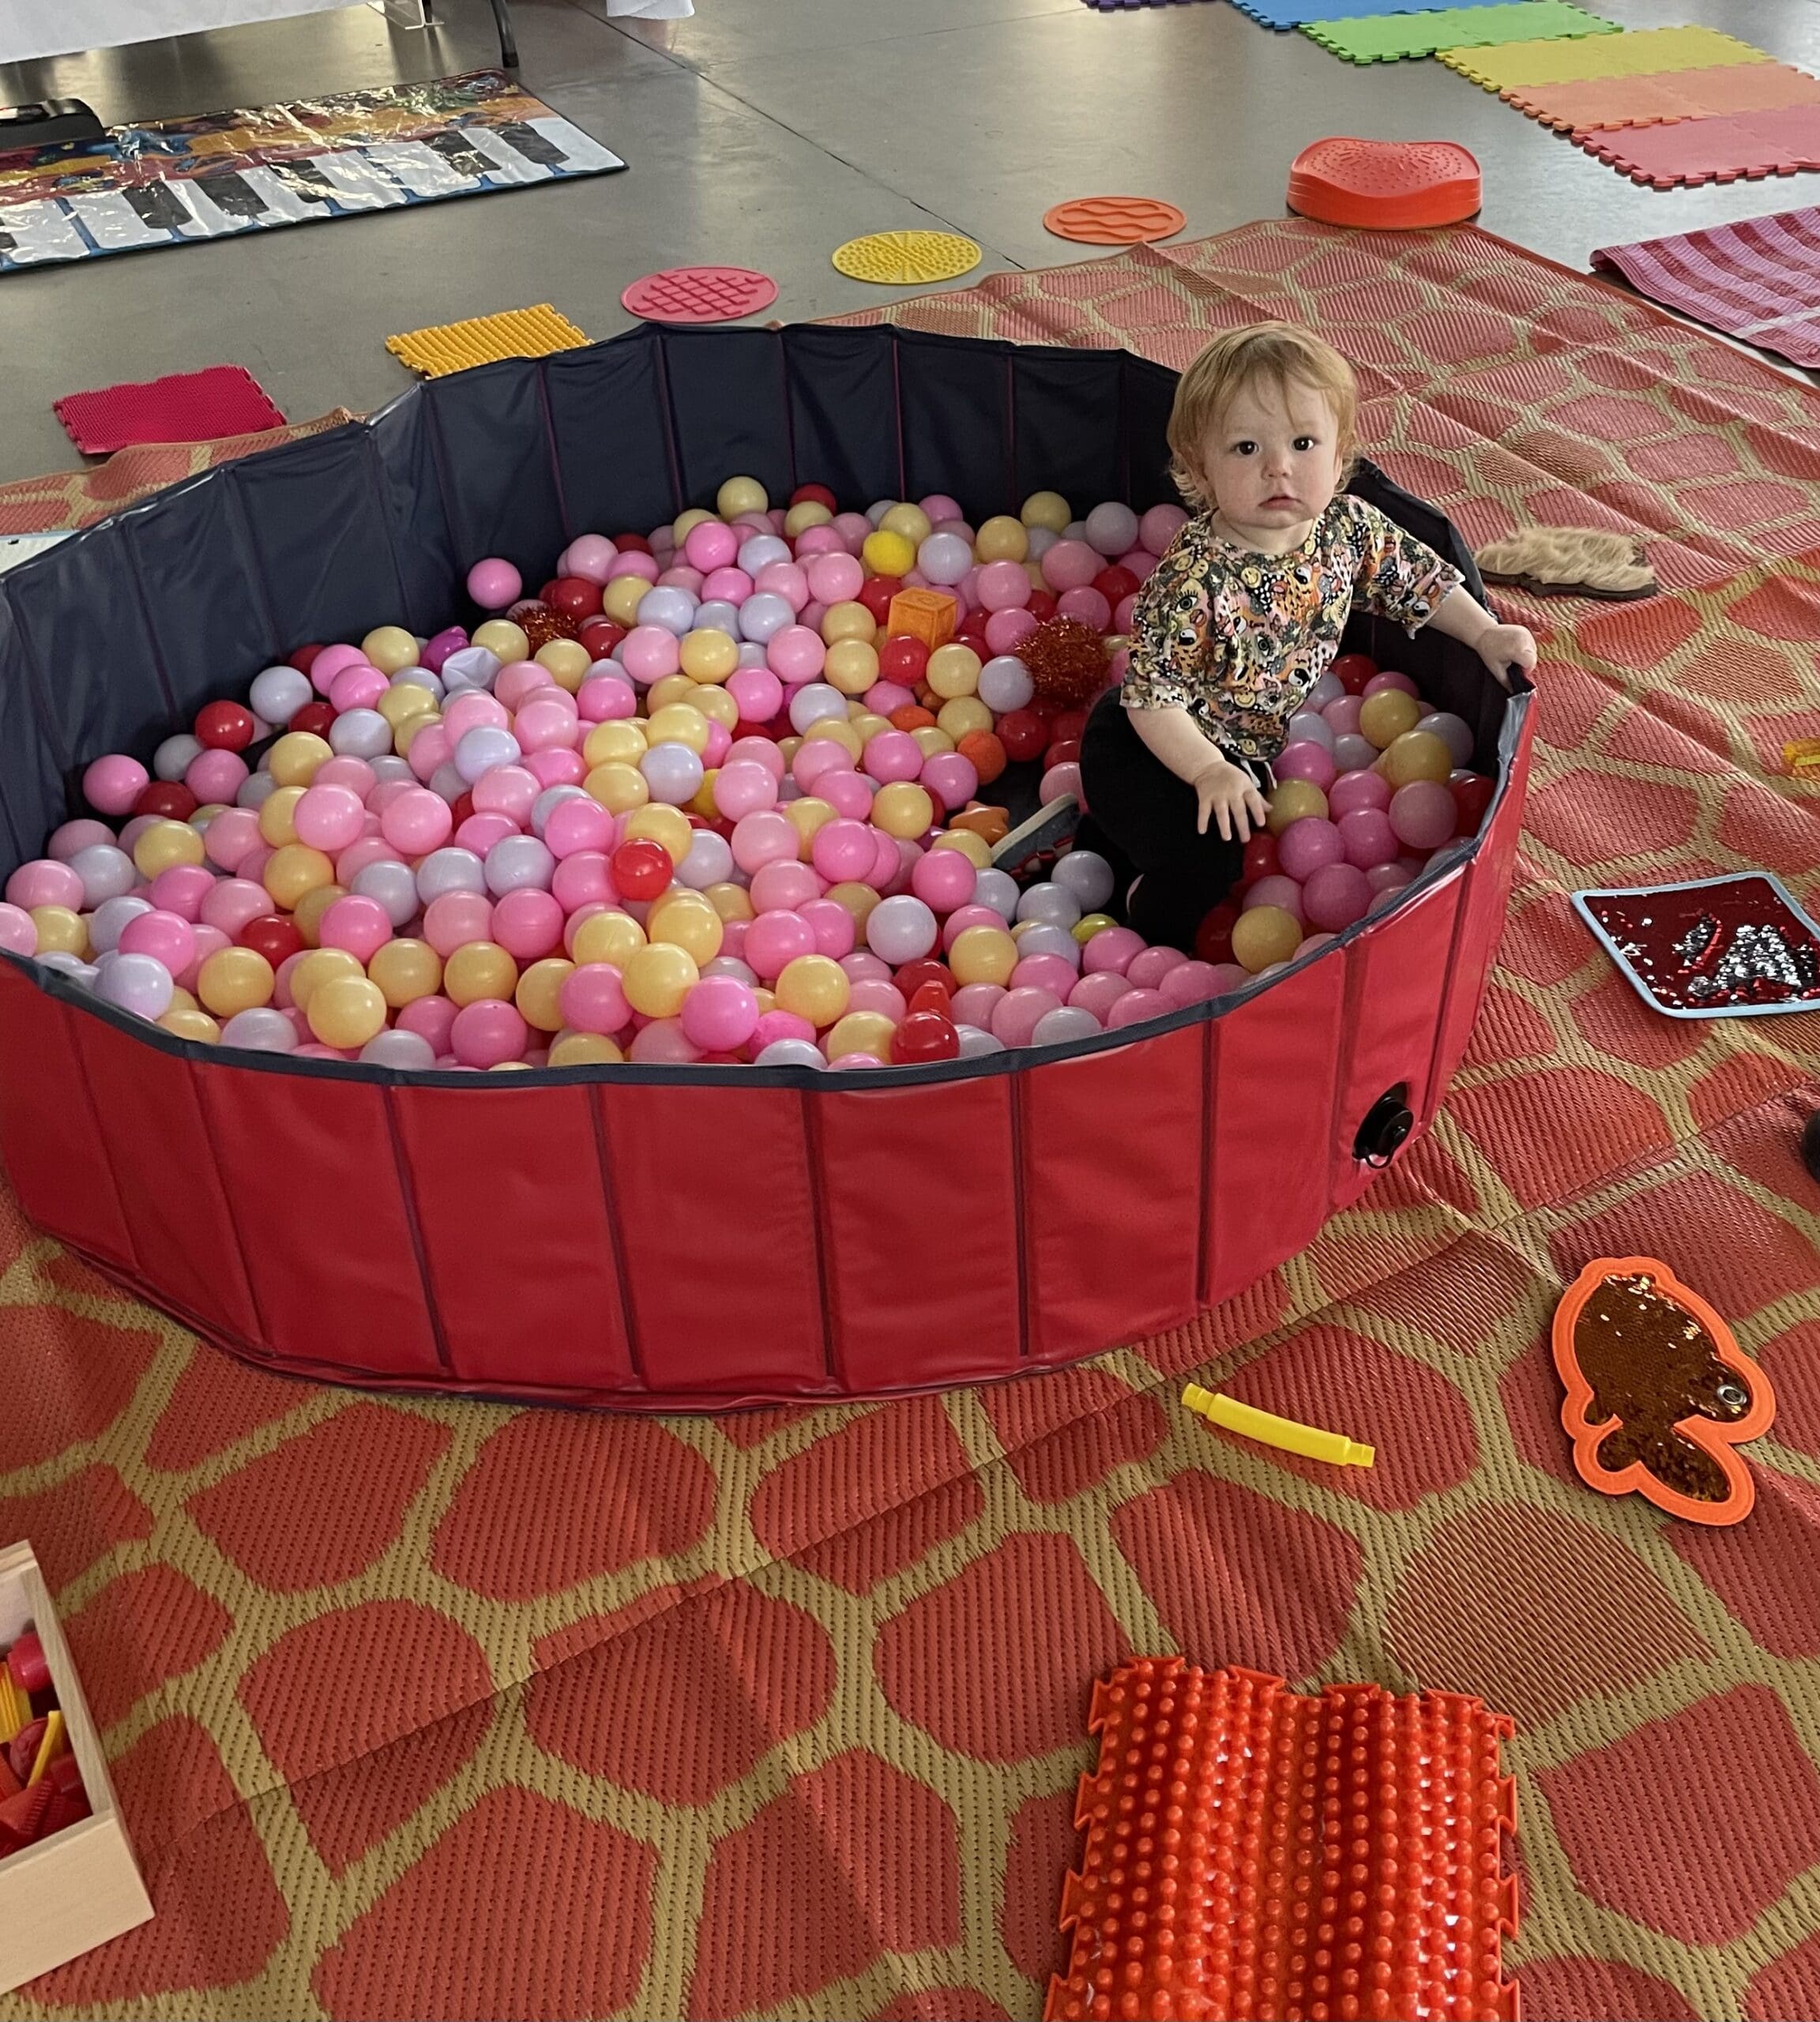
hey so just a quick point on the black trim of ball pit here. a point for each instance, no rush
(649, 466)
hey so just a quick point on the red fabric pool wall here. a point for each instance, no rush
(697, 1238)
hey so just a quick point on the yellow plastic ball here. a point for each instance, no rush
(1387, 716)
(851, 666)
(181, 1000)
(953, 670)
(709, 656)
(668, 825)
(568, 661)
(909, 521)
(397, 705)
(1294, 800)
(191, 1025)
(703, 803)
(1089, 924)
(847, 621)
(680, 723)
(815, 987)
(405, 970)
(836, 730)
(622, 597)
(904, 809)
(611, 937)
(1047, 508)
(860, 1031)
(584, 1050)
(481, 969)
(165, 845)
(1003, 538)
(963, 715)
(619, 789)
(975, 848)
(1417, 754)
(931, 739)
(346, 1012)
(234, 980)
(799, 518)
(887, 553)
(672, 688)
(857, 898)
(388, 647)
(1264, 935)
(277, 816)
(309, 910)
(658, 977)
(501, 636)
(405, 734)
(807, 816)
(866, 724)
(787, 748)
(983, 954)
(693, 926)
(685, 523)
(620, 742)
(716, 705)
(1034, 571)
(294, 759)
(540, 990)
(731, 901)
(320, 966)
(61, 931)
(293, 870)
(741, 494)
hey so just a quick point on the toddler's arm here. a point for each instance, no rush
(1462, 616)
(1403, 579)
(1227, 793)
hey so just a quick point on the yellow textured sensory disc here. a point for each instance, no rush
(888, 257)
(513, 333)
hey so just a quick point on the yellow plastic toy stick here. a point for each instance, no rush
(1309, 1441)
(12, 1718)
(51, 1745)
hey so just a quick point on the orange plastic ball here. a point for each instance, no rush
(982, 750)
(1387, 716)
(1264, 935)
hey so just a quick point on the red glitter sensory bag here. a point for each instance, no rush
(1733, 947)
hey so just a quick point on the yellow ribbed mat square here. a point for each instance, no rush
(513, 333)
(1630, 54)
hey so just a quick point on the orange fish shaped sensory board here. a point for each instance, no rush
(1660, 1395)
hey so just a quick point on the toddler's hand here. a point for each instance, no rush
(1229, 794)
(1502, 646)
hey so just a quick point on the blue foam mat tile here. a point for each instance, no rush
(1293, 13)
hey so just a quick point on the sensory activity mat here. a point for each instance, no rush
(181, 182)
(1758, 280)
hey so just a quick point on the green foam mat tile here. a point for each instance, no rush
(1390, 38)
(1634, 53)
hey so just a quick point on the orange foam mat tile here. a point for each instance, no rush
(1587, 104)
(1253, 1852)
(1692, 152)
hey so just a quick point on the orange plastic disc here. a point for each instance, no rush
(1385, 185)
(1114, 221)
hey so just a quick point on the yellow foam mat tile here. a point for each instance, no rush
(897, 257)
(513, 333)
(1635, 53)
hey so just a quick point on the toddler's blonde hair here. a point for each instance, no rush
(1279, 355)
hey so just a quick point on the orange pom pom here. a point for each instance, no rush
(1067, 662)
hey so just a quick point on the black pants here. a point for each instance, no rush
(1148, 815)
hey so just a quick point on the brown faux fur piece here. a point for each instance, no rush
(1570, 561)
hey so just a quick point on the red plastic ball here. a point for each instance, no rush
(462, 806)
(924, 1036)
(1471, 797)
(574, 597)
(876, 593)
(1024, 734)
(1115, 585)
(1353, 670)
(916, 979)
(903, 659)
(1062, 750)
(1213, 942)
(542, 597)
(1069, 723)
(1041, 605)
(642, 868)
(314, 717)
(273, 936)
(169, 798)
(303, 659)
(225, 727)
(1260, 858)
(600, 635)
(813, 494)
(632, 543)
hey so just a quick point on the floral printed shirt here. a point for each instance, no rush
(1237, 638)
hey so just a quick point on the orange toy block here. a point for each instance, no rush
(929, 615)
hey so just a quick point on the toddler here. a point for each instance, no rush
(1244, 614)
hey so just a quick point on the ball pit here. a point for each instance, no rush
(701, 868)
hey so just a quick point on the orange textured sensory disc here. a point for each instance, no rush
(1114, 221)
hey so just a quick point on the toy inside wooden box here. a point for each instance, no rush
(65, 1888)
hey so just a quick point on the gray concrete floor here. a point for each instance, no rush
(763, 132)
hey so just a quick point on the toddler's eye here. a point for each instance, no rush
(1247, 449)
(1304, 442)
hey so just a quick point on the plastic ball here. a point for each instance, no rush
(943, 879)
(887, 553)
(1453, 731)
(1355, 792)
(1417, 754)
(1305, 846)
(983, 955)
(1386, 715)
(1353, 753)
(815, 988)
(479, 969)
(234, 980)
(59, 930)
(1334, 897)
(1047, 508)
(904, 809)
(1367, 838)
(1294, 800)
(1423, 814)
(901, 929)
(741, 494)
(944, 558)
(719, 1014)
(18, 935)
(868, 1032)
(642, 868)
(1264, 935)
(584, 1050)
(1277, 890)
(137, 984)
(165, 937)
(346, 1011)
(487, 1034)
(405, 970)
(494, 584)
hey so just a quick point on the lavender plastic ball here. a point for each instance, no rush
(138, 984)
(449, 869)
(518, 863)
(264, 1030)
(975, 1042)
(669, 606)
(673, 772)
(998, 889)
(109, 921)
(394, 884)
(790, 1053)
(398, 1048)
(106, 872)
(360, 734)
(278, 692)
(1088, 876)
(1052, 903)
(1005, 683)
(473, 666)
(175, 756)
(762, 613)
(1065, 1027)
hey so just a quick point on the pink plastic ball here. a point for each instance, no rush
(473, 708)
(184, 889)
(1112, 949)
(844, 850)
(785, 579)
(1087, 605)
(730, 585)
(1017, 1014)
(875, 993)
(847, 792)
(494, 584)
(1306, 845)
(766, 836)
(72, 836)
(430, 1018)
(942, 879)
(1353, 793)
(795, 654)
(487, 1032)
(757, 694)
(1335, 896)
(1190, 983)
(1160, 526)
(111, 785)
(1006, 630)
(783, 886)
(815, 759)
(1003, 586)
(1342, 716)
(328, 818)
(527, 924)
(835, 578)
(774, 940)
(1070, 565)
(357, 688)
(719, 1014)
(1047, 972)
(604, 698)
(649, 653)
(1280, 891)
(589, 556)
(711, 545)
(230, 836)
(1098, 993)
(1367, 837)
(1384, 877)
(951, 777)
(1424, 814)
(216, 776)
(18, 930)
(743, 790)
(165, 937)
(894, 754)
(230, 904)
(360, 925)
(1136, 1007)
(632, 563)
(1060, 781)
(44, 882)
(1148, 969)
(592, 1000)
(832, 925)
(576, 825)
(1379, 682)
(1306, 760)
(451, 921)
(758, 751)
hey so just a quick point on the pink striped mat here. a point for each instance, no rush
(1759, 280)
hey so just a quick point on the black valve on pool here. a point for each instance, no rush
(1387, 1126)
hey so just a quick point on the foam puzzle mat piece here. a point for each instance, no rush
(1631, 53)
(183, 407)
(1590, 104)
(1692, 152)
(1393, 38)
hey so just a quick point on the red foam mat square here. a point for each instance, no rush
(187, 406)
(1695, 150)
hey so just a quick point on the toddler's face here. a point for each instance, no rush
(1271, 463)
